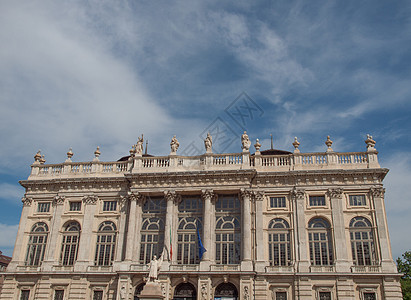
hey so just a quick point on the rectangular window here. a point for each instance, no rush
(25, 294)
(43, 207)
(59, 295)
(98, 295)
(324, 295)
(280, 295)
(317, 200)
(370, 296)
(276, 202)
(357, 200)
(110, 206)
(75, 206)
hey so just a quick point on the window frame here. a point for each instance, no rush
(102, 254)
(36, 250)
(357, 244)
(107, 206)
(271, 201)
(315, 196)
(40, 204)
(273, 231)
(69, 249)
(319, 244)
(76, 210)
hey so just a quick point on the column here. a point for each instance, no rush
(131, 227)
(172, 199)
(342, 261)
(19, 252)
(259, 232)
(86, 237)
(208, 216)
(300, 241)
(123, 205)
(246, 230)
(54, 230)
(137, 232)
(382, 230)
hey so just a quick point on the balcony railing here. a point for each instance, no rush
(321, 269)
(225, 268)
(366, 269)
(279, 269)
(212, 162)
(100, 268)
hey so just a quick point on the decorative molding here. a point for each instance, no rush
(246, 292)
(90, 199)
(258, 195)
(26, 201)
(245, 193)
(297, 194)
(377, 192)
(58, 200)
(335, 193)
(173, 196)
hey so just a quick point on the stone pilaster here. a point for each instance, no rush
(342, 261)
(86, 238)
(300, 238)
(131, 228)
(137, 232)
(50, 258)
(18, 252)
(204, 288)
(123, 206)
(259, 232)
(172, 199)
(246, 263)
(387, 262)
(208, 217)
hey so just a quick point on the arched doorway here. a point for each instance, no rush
(226, 291)
(138, 290)
(185, 291)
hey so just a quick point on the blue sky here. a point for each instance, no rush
(80, 74)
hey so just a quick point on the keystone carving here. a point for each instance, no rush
(335, 193)
(89, 199)
(378, 192)
(26, 201)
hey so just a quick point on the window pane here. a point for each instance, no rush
(59, 295)
(25, 294)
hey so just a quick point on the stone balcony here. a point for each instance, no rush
(208, 162)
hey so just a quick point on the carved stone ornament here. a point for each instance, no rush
(208, 194)
(245, 141)
(378, 192)
(297, 194)
(257, 145)
(174, 144)
(208, 143)
(335, 193)
(246, 194)
(90, 199)
(26, 201)
(204, 291)
(173, 196)
(122, 202)
(246, 292)
(258, 195)
(58, 200)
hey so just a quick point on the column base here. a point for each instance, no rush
(205, 265)
(246, 265)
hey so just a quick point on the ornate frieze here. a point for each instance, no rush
(335, 193)
(90, 199)
(26, 201)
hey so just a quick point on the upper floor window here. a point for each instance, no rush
(279, 246)
(43, 207)
(369, 296)
(319, 236)
(109, 205)
(362, 242)
(357, 200)
(106, 243)
(37, 244)
(75, 206)
(324, 295)
(277, 202)
(155, 205)
(317, 200)
(69, 246)
(152, 239)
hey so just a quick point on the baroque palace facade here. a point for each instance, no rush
(275, 225)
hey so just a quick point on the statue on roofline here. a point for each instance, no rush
(208, 143)
(245, 141)
(174, 145)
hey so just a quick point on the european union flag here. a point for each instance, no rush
(201, 248)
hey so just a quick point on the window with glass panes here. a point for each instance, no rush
(357, 200)
(189, 221)
(319, 236)
(279, 245)
(109, 205)
(280, 295)
(369, 296)
(362, 242)
(98, 295)
(324, 295)
(75, 206)
(317, 200)
(59, 295)
(152, 230)
(106, 244)
(277, 202)
(69, 246)
(43, 207)
(228, 229)
(25, 295)
(37, 244)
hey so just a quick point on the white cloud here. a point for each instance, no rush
(8, 236)
(11, 192)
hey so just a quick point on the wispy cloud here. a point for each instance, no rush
(11, 193)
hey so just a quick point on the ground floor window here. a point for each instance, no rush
(58, 294)
(280, 295)
(25, 294)
(185, 291)
(370, 296)
(226, 291)
(98, 295)
(324, 295)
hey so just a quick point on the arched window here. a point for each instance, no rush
(226, 290)
(319, 236)
(138, 290)
(185, 291)
(37, 244)
(152, 239)
(69, 246)
(106, 244)
(279, 246)
(362, 242)
(187, 242)
(228, 236)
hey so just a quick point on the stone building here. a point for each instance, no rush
(274, 224)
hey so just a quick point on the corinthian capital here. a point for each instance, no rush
(335, 193)
(208, 195)
(378, 192)
(244, 193)
(58, 200)
(297, 194)
(26, 201)
(172, 196)
(258, 195)
(90, 199)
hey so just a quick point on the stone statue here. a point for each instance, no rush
(174, 144)
(245, 141)
(208, 143)
(154, 267)
(139, 146)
